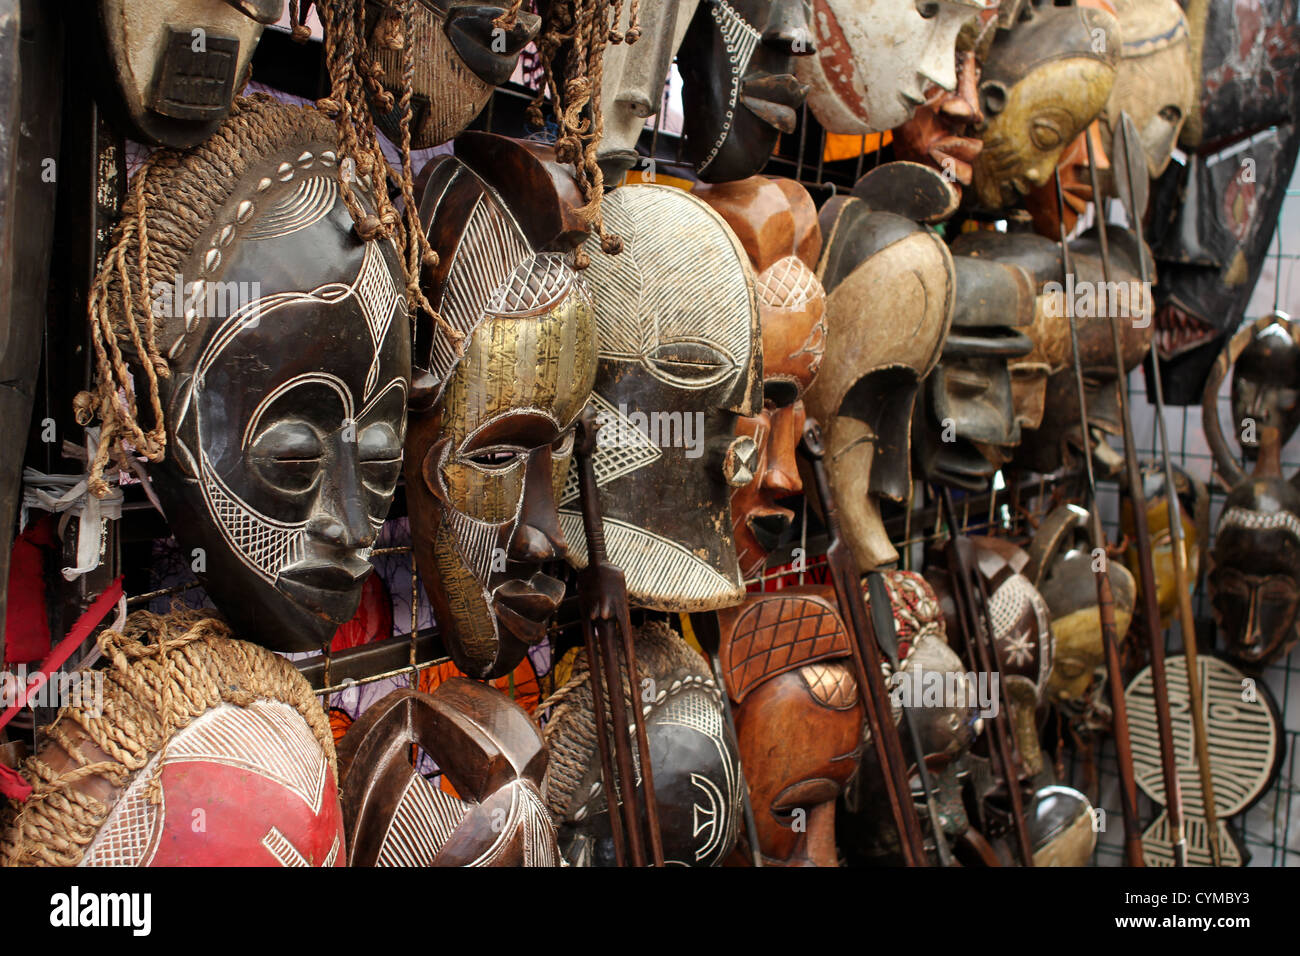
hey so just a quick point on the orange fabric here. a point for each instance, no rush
(527, 692)
(849, 146)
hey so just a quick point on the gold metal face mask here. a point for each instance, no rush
(488, 452)
(1044, 82)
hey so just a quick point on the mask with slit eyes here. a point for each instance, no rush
(877, 59)
(1266, 385)
(677, 324)
(460, 57)
(491, 430)
(289, 346)
(889, 303)
(776, 222)
(739, 92)
(1044, 81)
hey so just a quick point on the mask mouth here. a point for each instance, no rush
(769, 529)
(525, 608)
(774, 98)
(331, 587)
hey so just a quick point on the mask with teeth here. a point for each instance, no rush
(776, 222)
(491, 426)
(878, 59)
(739, 92)
(680, 358)
(1044, 81)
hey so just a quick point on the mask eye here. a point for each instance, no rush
(380, 454)
(496, 458)
(1045, 134)
(928, 9)
(288, 456)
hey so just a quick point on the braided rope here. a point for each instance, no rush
(163, 671)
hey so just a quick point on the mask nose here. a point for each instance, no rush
(537, 536)
(787, 29)
(341, 520)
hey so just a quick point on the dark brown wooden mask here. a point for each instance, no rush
(460, 57)
(877, 268)
(968, 396)
(1060, 567)
(488, 749)
(1255, 578)
(776, 222)
(289, 348)
(786, 661)
(692, 752)
(1266, 386)
(1044, 81)
(680, 357)
(739, 91)
(492, 433)
(177, 64)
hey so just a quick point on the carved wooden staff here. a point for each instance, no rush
(882, 620)
(1105, 598)
(1128, 152)
(973, 614)
(866, 658)
(1146, 568)
(604, 603)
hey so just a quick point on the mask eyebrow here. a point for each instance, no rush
(516, 426)
(307, 378)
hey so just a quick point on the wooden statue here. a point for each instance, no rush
(776, 222)
(677, 327)
(1044, 81)
(483, 744)
(206, 751)
(458, 56)
(876, 60)
(889, 304)
(739, 92)
(786, 660)
(176, 65)
(694, 755)
(491, 421)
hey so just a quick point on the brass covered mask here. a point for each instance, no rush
(491, 430)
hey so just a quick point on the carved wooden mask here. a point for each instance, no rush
(1266, 384)
(876, 59)
(460, 58)
(177, 64)
(692, 752)
(632, 80)
(680, 357)
(786, 660)
(492, 429)
(889, 303)
(938, 131)
(739, 91)
(1043, 83)
(1194, 504)
(289, 347)
(776, 222)
(485, 745)
(1060, 568)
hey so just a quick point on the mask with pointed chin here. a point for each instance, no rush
(776, 222)
(491, 429)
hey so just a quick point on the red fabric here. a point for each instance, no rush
(373, 620)
(27, 626)
(12, 784)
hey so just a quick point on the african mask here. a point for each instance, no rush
(195, 728)
(460, 56)
(1062, 830)
(776, 222)
(680, 357)
(288, 344)
(1042, 84)
(177, 64)
(1213, 221)
(788, 666)
(937, 132)
(1246, 741)
(738, 87)
(633, 77)
(1076, 185)
(1194, 514)
(1061, 568)
(968, 400)
(876, 59)
(1245, 57)
(1155, 83)
(1266, 385)
(491, 428)
(889, 303)
(485, 746)
(692, 752)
